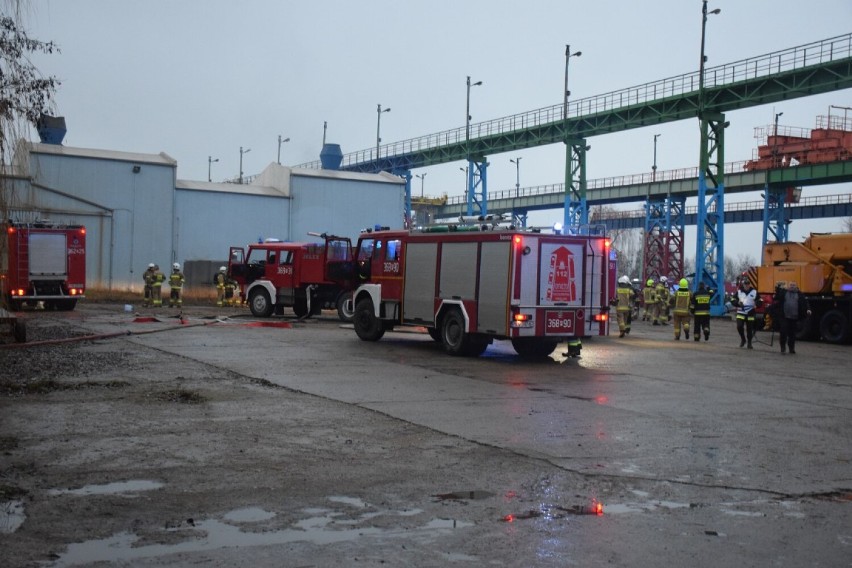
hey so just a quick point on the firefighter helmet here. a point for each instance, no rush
(650, 282)
(176, 266)
(663, 279)
(222, 269)
(684, 283)
(624, 280)
(150, 265)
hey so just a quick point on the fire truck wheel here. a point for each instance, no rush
(534, 347)
(367, 325)
(834, 327)
(453, 336)
(260, 304)
(345, 308)
(300, 307)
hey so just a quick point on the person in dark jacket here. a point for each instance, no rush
(790, 306)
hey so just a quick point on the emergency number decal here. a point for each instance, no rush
(392, 267)
(285, 270)
(560, 265)
(76, 250)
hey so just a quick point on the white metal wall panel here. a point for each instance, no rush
(421, 262)
(494, 272)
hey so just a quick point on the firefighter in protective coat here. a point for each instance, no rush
(148, 290)
(701, 312)
(649, 295)
(220, 279)
(176, 281)
(663, 299)
(157, 287)
(682, 300)
(746, 302)
(623, 302)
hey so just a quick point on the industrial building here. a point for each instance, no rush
(136, 211)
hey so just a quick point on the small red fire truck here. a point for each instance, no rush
(42, 262)
(305, 276)
(471, 284)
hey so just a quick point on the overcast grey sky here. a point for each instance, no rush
(199, 78)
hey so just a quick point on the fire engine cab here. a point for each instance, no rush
(42, 262)
(471, 284)
(304, 276)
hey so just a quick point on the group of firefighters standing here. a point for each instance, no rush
(663, 305)
(153, 278)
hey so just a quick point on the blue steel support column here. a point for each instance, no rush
(653, 265)
(576, 208)
(775, 222)
(476, 177)
(406, 175)
(710, 246)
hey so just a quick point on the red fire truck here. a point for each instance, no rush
(469, 285)
(43, 262)
(305, 276)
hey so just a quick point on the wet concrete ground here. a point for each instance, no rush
(700, 454)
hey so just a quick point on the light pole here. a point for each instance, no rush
(465, 181)
(210, 160)
(467, 116)
(704, 13)
(422, 178)
(517, 162)
(566, 92)
(654, 167)
(246, 151)
(379, 112)
(775, 141)
(280, 141)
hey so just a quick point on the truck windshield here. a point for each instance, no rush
(339, 250)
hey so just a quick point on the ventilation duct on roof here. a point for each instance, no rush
(51, 129)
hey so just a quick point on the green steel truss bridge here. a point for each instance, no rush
(811, 69)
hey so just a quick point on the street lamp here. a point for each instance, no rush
(654, 167)
(422, 178)
(465, 181)
(379, 112)
(517, 162)
(246, 151)
(568, 56)
(210, 161)
(280, 141)
(775, 141)
(704, 13)
(467, 116)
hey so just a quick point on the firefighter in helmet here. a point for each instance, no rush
(663, 299)
(623, 302)
(649, 295)
(176, 281)
(701, 312)
(746, 302)
(682, 300)
(220, 279)
(148, 290)
(157, 287)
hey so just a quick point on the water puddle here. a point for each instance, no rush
(464, 495)
(116, 488)
(622, 508)
(322, 527)
(249, 515)
(12, 516)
